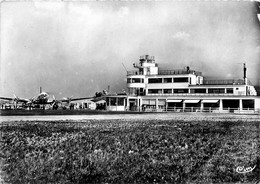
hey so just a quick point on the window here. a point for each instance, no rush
(248, 104)
(230, 90)
(135, 80)
(167, 80)
(154, 91)
(132, 91)
(107, 100)
(155, 80)
(197, 90)
(216, 90)
(167, 91)
(180, 90)
(112, 101)
(120, 101)
(181, 79)
(141, 70)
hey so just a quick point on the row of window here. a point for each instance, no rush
(169, 91)
(135, 80)
(115, 101)
(158, 80)
(168, 80)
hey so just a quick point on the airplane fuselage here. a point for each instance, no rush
(42, 98)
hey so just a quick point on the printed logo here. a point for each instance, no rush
(243, 169)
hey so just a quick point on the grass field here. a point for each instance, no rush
(130, 151)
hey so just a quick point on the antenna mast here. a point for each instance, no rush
(124, 67)
(244, 69)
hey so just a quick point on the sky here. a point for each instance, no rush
(75, 48)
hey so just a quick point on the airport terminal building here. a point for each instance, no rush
(152, 89)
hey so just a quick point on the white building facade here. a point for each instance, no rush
(152, 89)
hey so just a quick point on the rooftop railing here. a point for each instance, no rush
(134, 73)
(167, 72)
(223, 82)
(178, 72)
(198, 94)
(152, 108)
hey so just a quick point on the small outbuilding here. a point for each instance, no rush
(116, 103)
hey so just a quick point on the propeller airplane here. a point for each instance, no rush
(42, 99)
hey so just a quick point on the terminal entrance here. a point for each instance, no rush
(132, 104)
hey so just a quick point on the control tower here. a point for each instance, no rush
(147, 65)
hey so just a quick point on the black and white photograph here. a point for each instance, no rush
(129, 91)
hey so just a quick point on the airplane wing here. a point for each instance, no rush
(4, 98)
(96, 99)
(18, 99)
(84, 98)
(23, 100)
(75, 99)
